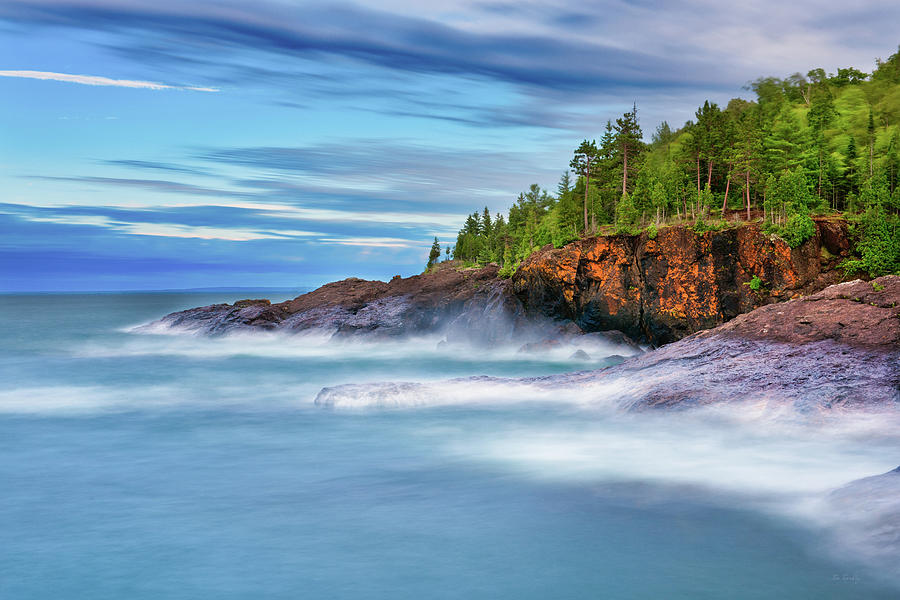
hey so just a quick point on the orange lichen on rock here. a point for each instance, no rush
(605, 262)
(680, 282)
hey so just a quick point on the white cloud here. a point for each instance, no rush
(447, 222)
(376, 242)
(173, 230)
(97, 80)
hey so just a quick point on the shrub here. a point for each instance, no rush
(508, 269)
(700, 225)
(651, 231)
(798, 229)
(879, 244)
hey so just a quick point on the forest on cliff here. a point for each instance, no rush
(819, 144)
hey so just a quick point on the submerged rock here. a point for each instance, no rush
(580, 355)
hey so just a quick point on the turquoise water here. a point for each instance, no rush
(160, 466)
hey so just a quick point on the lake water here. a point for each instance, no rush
(170, 466)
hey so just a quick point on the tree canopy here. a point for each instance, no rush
(806, 144)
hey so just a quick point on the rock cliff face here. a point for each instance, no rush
(680, 282)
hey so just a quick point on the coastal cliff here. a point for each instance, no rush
(664, 288)
(655, 290)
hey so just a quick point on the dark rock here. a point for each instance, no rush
(540, 347)
(611, 337)
(681, 282)
(762, 357)
(246, 303)
(468, 305)
(580, 355)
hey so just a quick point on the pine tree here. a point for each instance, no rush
(628, 143)
(582, 163)
(850, 173)
(434, 255)
(871, 131)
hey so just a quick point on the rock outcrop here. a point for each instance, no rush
(839, 348)
(466, 305)
(663, 289)
(654, 290)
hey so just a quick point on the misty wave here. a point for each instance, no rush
(821, 472)
(613, 395)
(477, 391)
(162, 338)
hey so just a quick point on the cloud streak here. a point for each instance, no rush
(101, 81)
(153, 227)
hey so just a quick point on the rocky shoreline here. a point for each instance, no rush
(832, 347)
(655, 291)
(839, 348)
(464, 304)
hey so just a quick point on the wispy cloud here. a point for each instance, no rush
(103, 81)
(373, 242)
(202, 232)
(167, 230)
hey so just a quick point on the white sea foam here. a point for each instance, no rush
(762, 455)
(781, 462)
(157, 339)
(477, 391)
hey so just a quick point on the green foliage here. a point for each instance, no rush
(706, 201)
(508, 269)
(878, 245)
(755, 283)
(804, 145)
(701, 225)
(798, 229)
(651, 231)
(626, 215)
(434, 255)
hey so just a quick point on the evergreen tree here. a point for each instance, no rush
(434, 255)
(793, 149)
(871, 131)
(626, 215)
(628, 143)
(708, 132)
(850, 173)
(582, 163)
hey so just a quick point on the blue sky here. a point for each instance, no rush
(166, 144)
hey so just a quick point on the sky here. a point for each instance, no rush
(169, 144)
